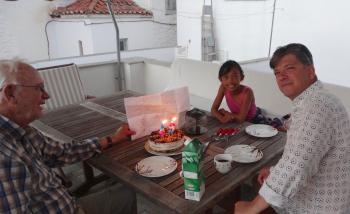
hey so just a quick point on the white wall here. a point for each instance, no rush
(142, 76)
(233, 20)
(140, 35)
(249, 20)
(98, 72)
(64, 36)
(160, 13)
(25, 25)
(163, 54)
(8, 46)
(22, 29)
(144, 3)
(189, 26)
(98, 35)
(99, 80)
(322, 25)
(243, 29)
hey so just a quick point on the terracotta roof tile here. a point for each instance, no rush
(91, 7)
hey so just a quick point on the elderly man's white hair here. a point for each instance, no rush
(9, 71)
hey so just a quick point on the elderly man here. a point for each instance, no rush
(313, 174)
(28, 184)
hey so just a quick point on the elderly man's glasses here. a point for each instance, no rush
(39, 87)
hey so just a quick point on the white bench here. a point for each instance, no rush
(147, 76)
(202, 81)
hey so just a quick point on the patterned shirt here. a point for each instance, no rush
(313, 174)
(28, 184)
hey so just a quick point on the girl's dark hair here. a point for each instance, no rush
(300, 51)
(227, 66)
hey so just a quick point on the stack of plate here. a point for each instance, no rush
(244, 153)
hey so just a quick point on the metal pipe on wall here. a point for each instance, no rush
(272, 24)
(119, 71)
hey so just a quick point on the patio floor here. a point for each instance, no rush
(144, 206)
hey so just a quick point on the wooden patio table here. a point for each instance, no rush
(101, 116)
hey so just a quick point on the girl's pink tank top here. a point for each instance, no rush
(235, 107)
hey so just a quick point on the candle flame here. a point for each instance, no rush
(173, 119)
(164, 121)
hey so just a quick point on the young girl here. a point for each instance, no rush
(239, 98)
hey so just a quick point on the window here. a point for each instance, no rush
(123, 44)
(170, 6)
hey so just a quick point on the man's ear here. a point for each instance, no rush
(311, 72)
(9, 92)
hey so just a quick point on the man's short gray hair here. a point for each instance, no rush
(9, 70)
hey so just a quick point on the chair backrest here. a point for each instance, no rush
(63, 84)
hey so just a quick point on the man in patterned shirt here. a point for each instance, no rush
(28, 183)
(313, 174)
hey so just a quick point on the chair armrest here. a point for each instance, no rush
(89, 97)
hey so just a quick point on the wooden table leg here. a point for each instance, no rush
(88, 172)
(90, 180)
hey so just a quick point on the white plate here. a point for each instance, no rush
(156, 166)
(261, 130)
(244, 153)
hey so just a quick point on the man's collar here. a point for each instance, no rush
(13, 128)
(301, 97)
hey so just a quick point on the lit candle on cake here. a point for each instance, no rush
(172, 125)
(162, 128)
(163, 124)
(173, 122)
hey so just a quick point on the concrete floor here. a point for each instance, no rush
(144, 206)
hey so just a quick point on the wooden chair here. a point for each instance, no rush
(64, 86)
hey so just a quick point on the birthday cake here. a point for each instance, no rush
(167, 141)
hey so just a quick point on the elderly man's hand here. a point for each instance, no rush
(123, 133)
(244, 207)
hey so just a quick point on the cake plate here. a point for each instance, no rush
(170, 153)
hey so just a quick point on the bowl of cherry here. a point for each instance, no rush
(225, 133)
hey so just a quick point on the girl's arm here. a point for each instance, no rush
(248, 98)
(224, 118)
